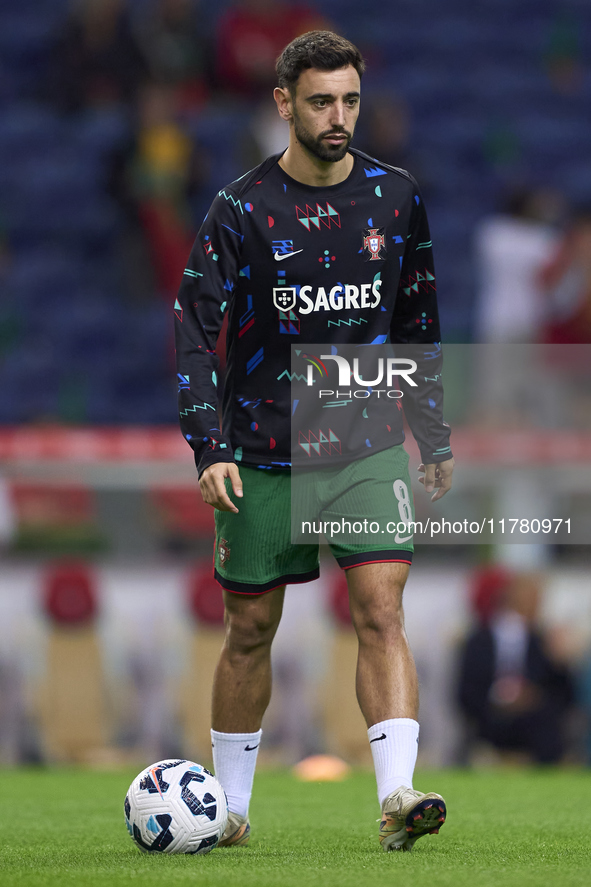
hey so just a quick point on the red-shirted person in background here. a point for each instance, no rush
(251, 35)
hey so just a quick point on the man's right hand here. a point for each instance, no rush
(213, 488)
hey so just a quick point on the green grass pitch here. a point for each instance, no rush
(66, 827)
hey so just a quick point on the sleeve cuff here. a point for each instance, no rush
(210, 457)
(442, 455)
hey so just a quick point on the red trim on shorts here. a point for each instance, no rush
(392, 560)
(377, 556)
(252, 589)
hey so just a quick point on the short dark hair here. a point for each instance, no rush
(324, 50)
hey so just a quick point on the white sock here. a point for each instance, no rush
(234, 760)
(394, 746)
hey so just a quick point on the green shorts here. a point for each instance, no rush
(370, 500)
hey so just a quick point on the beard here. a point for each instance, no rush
(316, 146)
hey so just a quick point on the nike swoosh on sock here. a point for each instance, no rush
(377, 739)
(248, 748)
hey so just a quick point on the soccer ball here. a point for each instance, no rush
(176, 806)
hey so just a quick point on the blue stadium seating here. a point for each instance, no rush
(29, 130)
(29, 382)
(470, 74)
(96, 132)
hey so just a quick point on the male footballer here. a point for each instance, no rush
(319, 244)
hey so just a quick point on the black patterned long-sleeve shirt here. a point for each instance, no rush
(349, 263)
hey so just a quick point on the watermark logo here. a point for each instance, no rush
(387, 369)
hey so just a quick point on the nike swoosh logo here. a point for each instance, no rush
(377, 739)
(280, 258)
(248, 748)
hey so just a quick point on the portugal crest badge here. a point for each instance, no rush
(224, 552)
(374, 244)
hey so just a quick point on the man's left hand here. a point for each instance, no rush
(437, 475)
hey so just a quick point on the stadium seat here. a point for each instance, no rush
(29, 130)
(29, 379)
(42, 276)
(98, 131)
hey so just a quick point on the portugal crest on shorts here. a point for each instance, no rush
(224, 552)
(374, 244)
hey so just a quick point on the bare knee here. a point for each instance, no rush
(250, 627)
(246, 633)
(375, 598)
(379, 623)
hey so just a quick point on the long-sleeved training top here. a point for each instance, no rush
(291, 263)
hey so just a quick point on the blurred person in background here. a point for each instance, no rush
(386, 134)
(266, 134)
(515, 687)
(96, 60)
(566, 282)
(154, 179)
(175, 39)
(584, 697)
(7, 514)
(511, 248)
(563, 53)
(250, 36)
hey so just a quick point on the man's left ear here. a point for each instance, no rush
(283, 100)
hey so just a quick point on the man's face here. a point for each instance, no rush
(325, 110)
